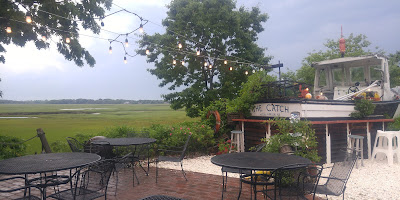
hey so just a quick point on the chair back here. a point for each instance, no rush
(185, 147)
(96, 178)
(103, 149)
(75, 145)
(258, 147)
(342, 171)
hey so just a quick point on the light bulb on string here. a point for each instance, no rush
(44, 38)
(8, 29)
(254, 71)
(102, 23)
(28, 17)
(180, 46)
(198, 52)
(147, 52)
(183, 62)
(246, 72)
(174, 62)
(225, 62)
(205, 64)
(141, 28)
(210, 66)
(125, 61)
(110, 49)
(126, 42)
(230, 68)
(67, 40)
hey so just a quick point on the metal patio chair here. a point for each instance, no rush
(91, 185)
(176, 150)
(75, 145)
(225, 170)
(338, 177)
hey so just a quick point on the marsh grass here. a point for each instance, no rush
(58, 124)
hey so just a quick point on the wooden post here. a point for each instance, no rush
(328, 145)
(368, 140)
(42, 136)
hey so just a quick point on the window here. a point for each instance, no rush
(357, 74)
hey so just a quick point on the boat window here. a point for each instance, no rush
(357, 74)
(322, 78)
(375, 73)
(338, 76)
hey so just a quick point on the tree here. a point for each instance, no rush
(219, 31)
(58, 20)
(394, 69)
(355, 46)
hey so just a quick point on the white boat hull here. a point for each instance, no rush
(313, 109)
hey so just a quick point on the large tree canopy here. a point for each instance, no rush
(53, 19)
(394, 69)
(355, 46)
(221, 32)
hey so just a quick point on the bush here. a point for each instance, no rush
(176, 135)
(11, 147)
(363, 108)
(298, 134)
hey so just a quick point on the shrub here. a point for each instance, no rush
(176, 135)
(224, 146)
(11, 147)
(296, 134)
(363, 108)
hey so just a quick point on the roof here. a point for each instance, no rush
(353, 61)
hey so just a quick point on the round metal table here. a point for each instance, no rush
(124, 141)
(259, 161)
(47, 162)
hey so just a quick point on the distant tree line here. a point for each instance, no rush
(84, 101)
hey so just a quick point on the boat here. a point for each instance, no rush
(338, 82)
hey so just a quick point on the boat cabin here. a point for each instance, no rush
(342, 78)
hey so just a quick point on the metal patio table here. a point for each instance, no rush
(128, 141)
(43, 163)
(257, 161)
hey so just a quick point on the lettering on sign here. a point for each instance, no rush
(270, 109)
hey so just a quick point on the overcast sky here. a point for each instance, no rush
(294, 28)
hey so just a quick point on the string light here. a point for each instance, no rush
(28, 17)
(67, 40)
(125, 61)
(110, 49)
(8, 29)
(210, 66)
(141, 28)
(246, 72)
(174, 62)
(147, 52)
(230, 68)
(183, 62)
(102, 23)
(126, 41)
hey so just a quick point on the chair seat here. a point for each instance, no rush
(28, 198)
(169, 159)
(161, 197)
(81, 194)
(323, 189)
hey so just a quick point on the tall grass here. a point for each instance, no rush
(58, 124)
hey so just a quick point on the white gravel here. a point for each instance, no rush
(376, 180)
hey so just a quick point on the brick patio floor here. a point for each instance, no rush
(199, 186)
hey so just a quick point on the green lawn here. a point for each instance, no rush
(58, 124)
